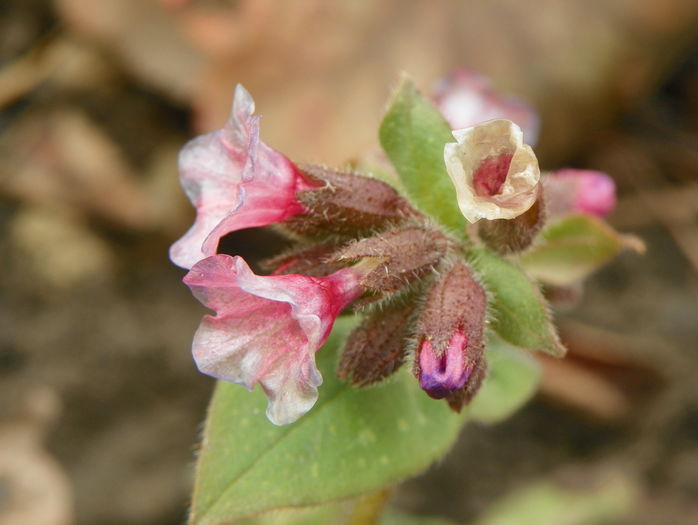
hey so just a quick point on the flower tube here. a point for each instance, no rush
(235, 181)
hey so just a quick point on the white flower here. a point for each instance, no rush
(495, 174)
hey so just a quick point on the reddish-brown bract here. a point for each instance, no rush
(407, 254)
(347, 203)
(514, 235)
(376, 348)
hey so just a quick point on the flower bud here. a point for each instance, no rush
(346, 204)
(406, 254)
(458, 399)
(450, 362)
(579, 191)
(515, 235)
(376, 348)
(495, 174)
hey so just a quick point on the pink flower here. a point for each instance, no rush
(267, 328)
(235, 181)
(579, 191)
(466, 98)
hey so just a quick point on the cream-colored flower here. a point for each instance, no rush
(495, 174)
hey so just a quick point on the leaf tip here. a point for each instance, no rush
(633, 243)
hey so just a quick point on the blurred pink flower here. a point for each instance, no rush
(235, 181)
(466, 98)
(268, 328)
(495, 174)
(579, 191)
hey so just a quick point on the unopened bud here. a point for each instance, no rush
(459, 398)
(514, 235)
(579, 191)
(346, 204)
(376, 348)
(442, 374)
(450, 333)
(406, 253)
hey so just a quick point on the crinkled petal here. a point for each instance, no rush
(235, 181)
(267, 329)
(466, 98)
(477, 145)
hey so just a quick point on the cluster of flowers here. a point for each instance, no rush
(360, 242)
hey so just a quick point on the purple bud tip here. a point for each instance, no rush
(491, 174)
(441, 375)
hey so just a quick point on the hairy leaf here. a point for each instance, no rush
(413, 134)
(573, 247)
(352, 442)
(512, 379)
(520, 312)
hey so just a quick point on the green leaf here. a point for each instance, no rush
(520, 312)
(609, 498)
(336, 513)
(511, 381)
(341, 513)
(398, 517)
(573, 247)
(413, 134)
(353, 441)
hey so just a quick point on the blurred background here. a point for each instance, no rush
(100, 404)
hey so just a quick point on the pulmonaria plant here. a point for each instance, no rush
(430, 291)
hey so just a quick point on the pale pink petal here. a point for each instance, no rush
(466, 98)
(579, 191)
(235, 181)
(267, 328)
(494, 173)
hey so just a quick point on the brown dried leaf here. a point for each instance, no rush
(64, 158)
